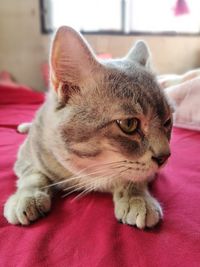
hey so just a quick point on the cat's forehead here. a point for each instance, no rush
(135, 89)
(120, 92)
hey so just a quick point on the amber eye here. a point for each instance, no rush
(167, 123)
(128, 126)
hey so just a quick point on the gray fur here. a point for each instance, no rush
(76, 127)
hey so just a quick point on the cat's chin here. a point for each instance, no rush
(147, 178)
(141, 177)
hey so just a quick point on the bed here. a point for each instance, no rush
(84, 232)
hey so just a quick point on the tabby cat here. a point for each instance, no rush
(105, 126)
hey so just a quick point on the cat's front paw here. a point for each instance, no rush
(26, 206)
(141, 211)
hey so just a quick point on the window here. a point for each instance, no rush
(122, 16)
(164, 15)
(88, 15)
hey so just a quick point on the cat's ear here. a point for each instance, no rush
(72, 62)
(140, 53)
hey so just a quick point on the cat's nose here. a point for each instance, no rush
(161, 159)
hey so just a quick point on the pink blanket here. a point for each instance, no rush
(84, 232)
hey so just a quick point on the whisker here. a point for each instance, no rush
(87, 190)
(87, 175)
(117, 167)
(70, 192)
(74, 177)
(77, 187)
(129, 168)
(91, 184)
(129, 185)
(85, 183)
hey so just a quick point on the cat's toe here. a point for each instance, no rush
(26, 210)
(26, 207)
(154, 213)
(121, 209)
(10, 210)
(138, 211)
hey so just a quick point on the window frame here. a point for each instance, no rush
(123, 32)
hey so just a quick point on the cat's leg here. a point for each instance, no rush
(31, 200)
(134, 205)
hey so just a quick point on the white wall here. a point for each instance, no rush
(170, 54)
(23, 48)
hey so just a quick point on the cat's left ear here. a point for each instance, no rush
(140, 53)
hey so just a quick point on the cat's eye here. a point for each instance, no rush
(167, 123)
(128, 126)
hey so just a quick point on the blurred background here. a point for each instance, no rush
(170, 27)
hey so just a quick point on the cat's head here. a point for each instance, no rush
(112, 117)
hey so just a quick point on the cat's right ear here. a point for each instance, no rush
(140, 53)
(72, 62)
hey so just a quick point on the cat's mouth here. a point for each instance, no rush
(145, 170)
(137, 171)
(161, 160)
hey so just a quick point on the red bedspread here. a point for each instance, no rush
(84, 232)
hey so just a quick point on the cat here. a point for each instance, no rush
(105, 126)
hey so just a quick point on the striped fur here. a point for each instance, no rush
(75, 134)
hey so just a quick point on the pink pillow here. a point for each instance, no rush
(186, 97)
